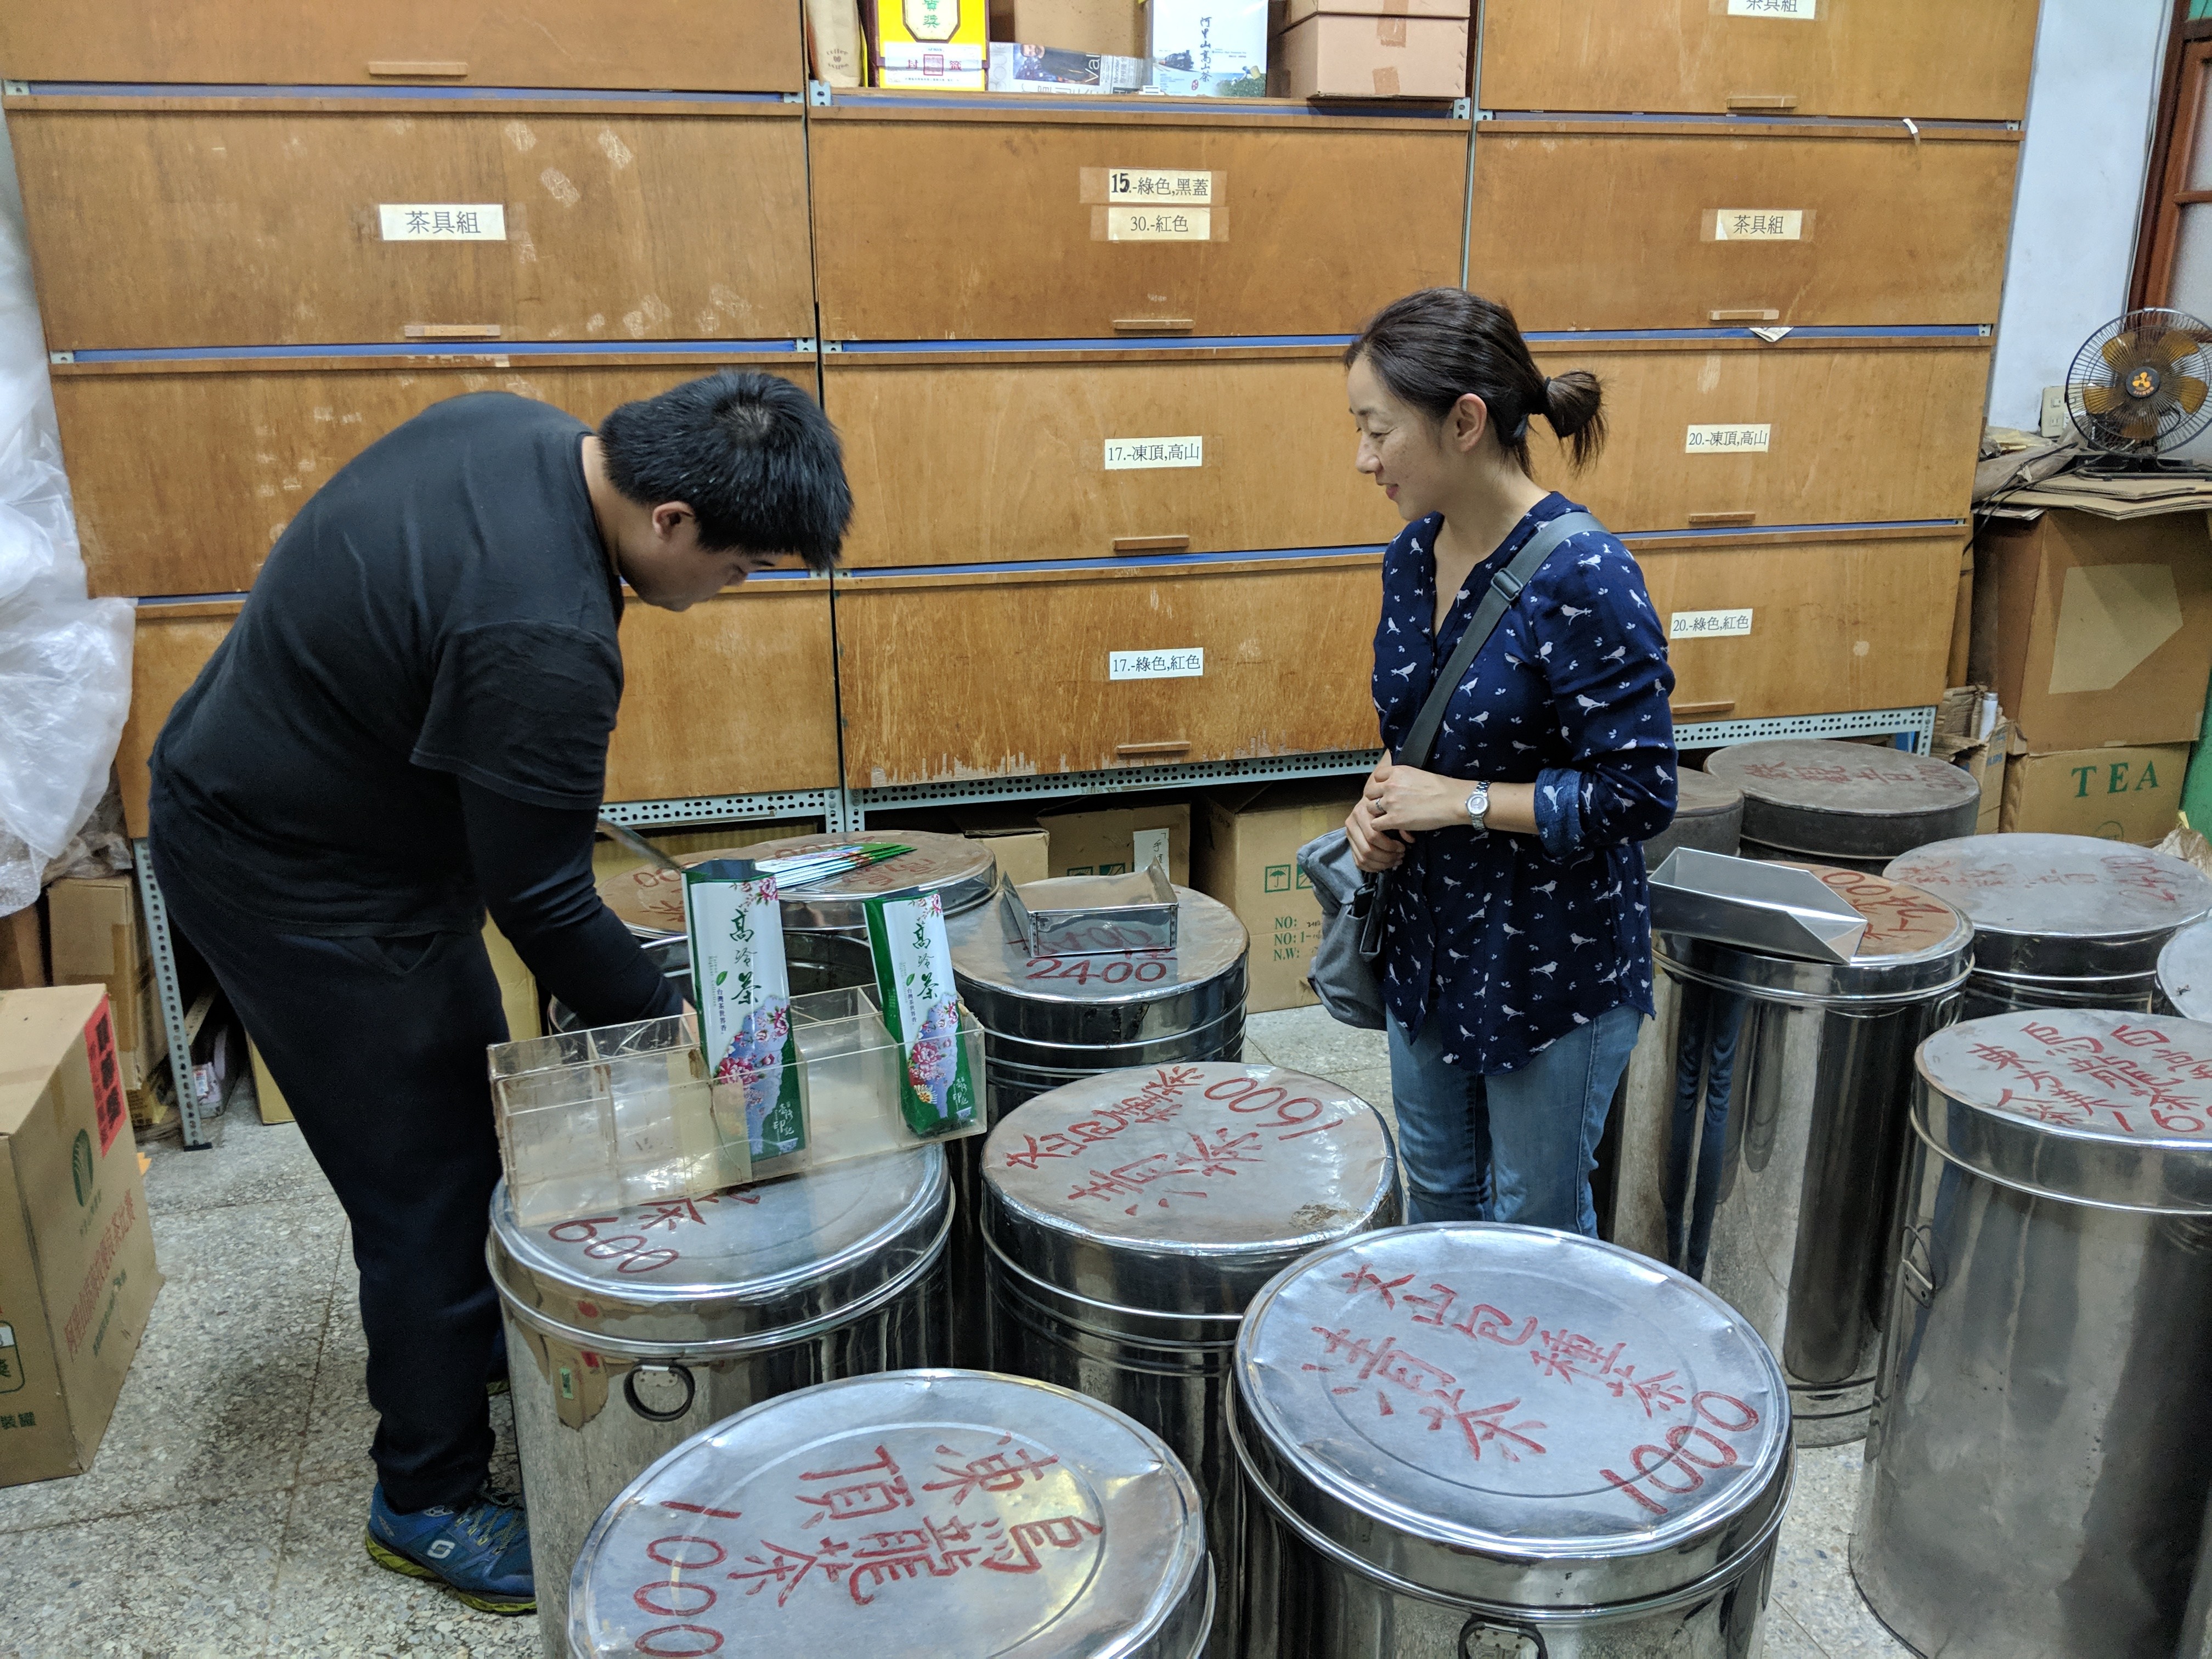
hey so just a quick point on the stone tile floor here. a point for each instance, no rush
(222, 1518)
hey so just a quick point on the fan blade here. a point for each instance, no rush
(2169, 348)
(2141, 431)
(2189, 392)
(2119, 351)
(2102, 399)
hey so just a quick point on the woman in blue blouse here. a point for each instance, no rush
(1517, 964)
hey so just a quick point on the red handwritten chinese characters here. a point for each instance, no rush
(2131, 1076)
(631, 1253)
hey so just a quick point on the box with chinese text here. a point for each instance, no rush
(1209, 48)
(1245, 854)
(932, 43)
(939, 1091)
(1049, 69)
(741, 986)
(77, 1278)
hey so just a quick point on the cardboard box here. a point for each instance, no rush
(96, 936)
(1021, 846)
(23, 948)
(1972, 733)
(1246, 855)
(2095, 631)
(77, 1278)
(1048, 68)
(1121, 838)
(2131, 794)
(1351, 54)
(266, 1095)
(932, 43)
(1103, 27)
(1207, 48)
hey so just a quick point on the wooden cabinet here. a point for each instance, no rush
(185, 471)
(273, 220)
(737, 696)
(1836, 622)
(1822, 427)
(1680, 224)
(1000, 674)
(1929, 59)
(950, 219)
(714, 45)
(970, 457)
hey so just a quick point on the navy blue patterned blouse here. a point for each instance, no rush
(1513, 940)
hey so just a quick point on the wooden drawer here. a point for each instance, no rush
(714, 44)
(1642, 224)
(1959, 59)
(1861, 621)
(258, 221)
(1860, 428)
(185, 471)
(991, 675)
(1030, 436)
(950, 219)
(759, 656)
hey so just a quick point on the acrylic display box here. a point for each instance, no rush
(607, 1117)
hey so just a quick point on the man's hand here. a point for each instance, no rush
(1402, 801)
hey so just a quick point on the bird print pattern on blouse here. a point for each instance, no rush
(1514, 940)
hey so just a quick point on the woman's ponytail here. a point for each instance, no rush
(1571, 406)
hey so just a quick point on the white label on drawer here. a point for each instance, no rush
(1803, 11)
(1758, 224)
(442, 222)
(1159, 224)
(1728, 439)
(1127, 455)
(1186, 664)
(1157, 184)
(1707, 624)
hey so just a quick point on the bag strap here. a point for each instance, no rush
(1504, 588)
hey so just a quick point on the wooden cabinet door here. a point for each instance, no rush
(1964, 60)
(737, 696)
(991, 675)
(1602, 225)
(1855, 429)
(170, 645)
(964, 458)
(1835, 622)
(943, 220)
(263, 221)
(184, 471)
(734, 46)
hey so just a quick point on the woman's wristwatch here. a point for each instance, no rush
(1478, 808)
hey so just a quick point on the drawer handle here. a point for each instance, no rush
(1137, 751)
(1745, 314)
(1678, 710)
(1151, 544)
(450, 331)
(1154, 325)
(431, 71)
(1762, 100)
(1715, 521)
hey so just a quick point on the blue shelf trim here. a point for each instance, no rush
(381, 90)
(436, 349)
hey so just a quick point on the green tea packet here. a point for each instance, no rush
(742, 989)
(913, 978)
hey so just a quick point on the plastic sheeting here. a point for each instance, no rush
(64, 659)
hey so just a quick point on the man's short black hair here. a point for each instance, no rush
(753, 456)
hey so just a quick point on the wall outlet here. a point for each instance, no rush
(2056, 420)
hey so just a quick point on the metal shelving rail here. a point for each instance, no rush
(843, 811)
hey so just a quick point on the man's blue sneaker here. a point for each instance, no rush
(481, 1553)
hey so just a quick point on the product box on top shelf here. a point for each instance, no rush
(1048, 69)
(836, 45)
(940, 44)
(2095, 631)
(1209, 48)
(1245, 854)
(1104, 29)
(2131, 794)
(77, 1279)
(1372, 48)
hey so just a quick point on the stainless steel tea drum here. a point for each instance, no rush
(2061, 920)
(1050, 1021)
(1128, 1220)
(1821, 801)
(1471, 1441)
(643, 1326)
(923, 1515)
(1763, 1131)
(1708, 816)
(2037, 1471)
(2185, 972)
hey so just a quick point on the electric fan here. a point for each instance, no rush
(2137, 386)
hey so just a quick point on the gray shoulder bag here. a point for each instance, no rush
(1343, 970)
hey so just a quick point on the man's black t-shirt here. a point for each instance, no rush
(443, 609)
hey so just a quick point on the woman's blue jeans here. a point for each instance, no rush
(1514, 1145)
